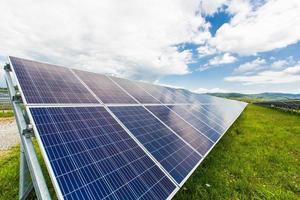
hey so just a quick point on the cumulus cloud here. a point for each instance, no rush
(209, 7)
(226, 58)
(128, 38)
(211, 90)
(259, 28)
(278, 64)
(206, 50)
(252, 66)
(287, 75)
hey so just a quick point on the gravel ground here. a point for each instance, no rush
(9, 135)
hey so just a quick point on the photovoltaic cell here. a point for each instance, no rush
(164, 94)
(200, 98)
(203, 115)
(223, 114)
(45, 83)
(198, 124)
(107, 91)
(93, 157)
(183, 129)
(177, 158)
(137, 92)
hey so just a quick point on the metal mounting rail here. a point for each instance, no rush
(30, 170)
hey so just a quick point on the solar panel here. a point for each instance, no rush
(168, 149)
(134, 90)
(164, 94)
(92, 157)
(201, 143)
(203, 128)
(45, 83)
(123, 147)
(224, 114)
(106, 90)
(202, 115)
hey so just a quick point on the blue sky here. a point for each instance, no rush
(248, 46)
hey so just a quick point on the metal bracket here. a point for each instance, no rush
(29, 164)
(7, 67)
(28, 132)
(17, 97)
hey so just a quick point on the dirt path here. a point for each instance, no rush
(8, 133)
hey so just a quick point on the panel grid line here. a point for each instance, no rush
(140, 144)
(193, 126)
(134, 120)
(173, 131)
(84, 120)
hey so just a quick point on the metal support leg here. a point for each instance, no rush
(32, 162)
(25, 185)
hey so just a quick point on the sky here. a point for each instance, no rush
(247, 46)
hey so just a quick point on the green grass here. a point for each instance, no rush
(258, 158)
(6, 113)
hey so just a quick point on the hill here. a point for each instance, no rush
(268, 96)
(256, 159)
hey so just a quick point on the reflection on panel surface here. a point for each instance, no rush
(137, 92)
(105, 89)
(182, 128)
(164, 94)
(168, 149)
(94, 158)
(198, 124)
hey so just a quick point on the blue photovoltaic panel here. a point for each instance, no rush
(169, 150)
(197, 117)
(225, 115)
(164, 94)
(183, 129)
(203, 115)
(198, 124)
(93, 157)
(200, 112)
(134, 90)
(200, 98)
(45, 83)
(107, 91)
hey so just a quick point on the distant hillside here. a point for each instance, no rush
(258, 97)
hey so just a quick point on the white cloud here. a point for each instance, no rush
(206, 50)
(288, 75)
(275, 24)
(209, 7)
(226, 58)
(279, 64)
(212, 90)
(128, 38)
(252, 66)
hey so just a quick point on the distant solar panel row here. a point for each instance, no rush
(140, 141)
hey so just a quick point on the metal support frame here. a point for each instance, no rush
(31, 175)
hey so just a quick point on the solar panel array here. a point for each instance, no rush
(104, 137)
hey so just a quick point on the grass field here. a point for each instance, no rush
(6, 113)
(258, 158)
